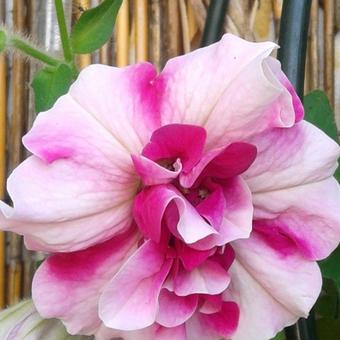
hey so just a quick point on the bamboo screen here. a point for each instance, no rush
(153, 30)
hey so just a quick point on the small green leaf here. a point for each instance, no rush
(279, 336)
(330, 267)
(319, 112)
(328, 329)
(3, 39)
(94, 27)
(327, 303)
(49, 84)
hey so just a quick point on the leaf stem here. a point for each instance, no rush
(65, 41)
(28, 49)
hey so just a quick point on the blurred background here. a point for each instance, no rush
(153, 30)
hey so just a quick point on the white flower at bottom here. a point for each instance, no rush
(23, 322)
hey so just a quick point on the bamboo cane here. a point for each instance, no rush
(155, 33)
(184, 25)
(122, 35)
(170, 30)
(3, 105)
(329, 24)
(140, 15)
(16, 151)
(313, 46)
(3, 110)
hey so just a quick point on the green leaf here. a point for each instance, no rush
(94, 27)
(279, 336)
(319, 112)
(49, 84)
(327, 303)
(2, 41)
(328, 329)
(330, 267)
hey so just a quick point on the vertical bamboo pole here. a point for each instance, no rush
(193, 28)
(170, 30)
(155, 33)
(313, 46)
(16, 151)
(83, 60)
(329, 24)
(3, 106)
(122, 35)
(140, 10)
(184, 25)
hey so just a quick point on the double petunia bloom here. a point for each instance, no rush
(190, 204)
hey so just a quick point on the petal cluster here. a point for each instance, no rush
(190, 204)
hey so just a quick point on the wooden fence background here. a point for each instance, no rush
(153, 30)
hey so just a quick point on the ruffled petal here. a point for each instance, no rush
(208, 278)
(66, 207)
(309, 214)
(67, 286)
(216, 325)
(152, 173)
(126, 101)
(173, 141)
(272, 289)
(173, 333)
(175, 310)
(228, 88)
(290, 157)
(130, 300)
(276, 69)
(221, 163)
(150, 205)
(237, 218)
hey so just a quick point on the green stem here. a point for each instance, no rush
(293, 41)
(292, 54)
(65, 41)
(214, 23)
(27, 49)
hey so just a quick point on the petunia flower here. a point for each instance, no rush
(190, 204)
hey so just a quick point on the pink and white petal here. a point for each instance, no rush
(221, 163)
(130, 300)
(177, 141)
(275, 66)
(67, 286)
(149, 208)
(238, 215)
(211, 304)
(175, 310)
(105, 333)
(308, 214)
(190, 257)
(221, 324)
(152, 173)
(79, 171)
(212, 208)
(290, 157)
(272, 289)
(228, 88)
(64, 207)
(208, 278)
(173, 333)
(126, 101)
